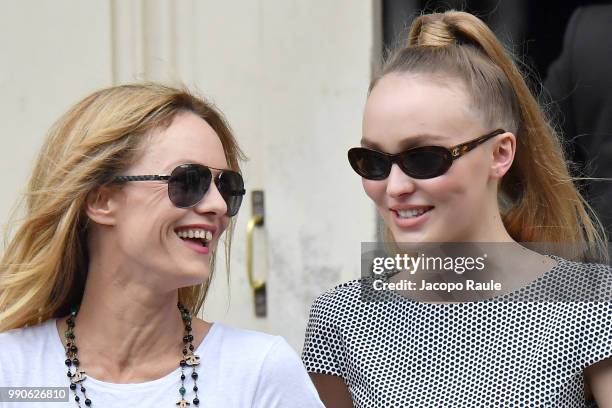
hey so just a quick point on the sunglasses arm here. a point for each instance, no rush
(150, 177)
(461, 149)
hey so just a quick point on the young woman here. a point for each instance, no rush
(456, 149)
(100, 286)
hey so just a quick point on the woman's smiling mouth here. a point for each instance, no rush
(196, 238)
(410, 217)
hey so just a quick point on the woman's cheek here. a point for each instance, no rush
(375, 189)
(444, 188)
(225, 221)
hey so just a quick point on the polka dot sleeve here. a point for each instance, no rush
(596, 317)
(597, 333)
(323, 346)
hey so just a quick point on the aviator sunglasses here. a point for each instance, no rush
(188, 183)
(419, 162)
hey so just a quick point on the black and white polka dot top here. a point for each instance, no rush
(512, 353)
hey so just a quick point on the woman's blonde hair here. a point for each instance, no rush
(44, 265)
(539, 200)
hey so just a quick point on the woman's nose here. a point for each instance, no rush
(399, 183)
(212, 202)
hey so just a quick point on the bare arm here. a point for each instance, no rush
(332, 390)
(598, 380)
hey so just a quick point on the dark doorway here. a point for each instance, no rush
(533, 30)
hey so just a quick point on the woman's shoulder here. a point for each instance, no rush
(269, 354)
(351, 295)
(28, 349)
(281, 379)
(346, 301)
(342, 292)
(264, 347)
(603, 268)
(238, 334)
(26, 337)
(255, 344)
(578, 281)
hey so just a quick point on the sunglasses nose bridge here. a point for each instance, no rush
(394, 159)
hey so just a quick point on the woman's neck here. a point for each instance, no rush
(126, 331)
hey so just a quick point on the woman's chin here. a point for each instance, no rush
(193, 277)
(408, 237)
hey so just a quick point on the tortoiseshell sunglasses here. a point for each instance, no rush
(420, 162)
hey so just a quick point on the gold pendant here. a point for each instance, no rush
(78, 377)
(183, 403)
(192, 360)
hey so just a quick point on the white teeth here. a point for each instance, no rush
(195, 233)
(411, 213)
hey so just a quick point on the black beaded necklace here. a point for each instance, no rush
(78, 376)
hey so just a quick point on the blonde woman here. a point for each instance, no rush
(102, 282)
(455, 149)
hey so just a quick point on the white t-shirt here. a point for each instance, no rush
(238, 368)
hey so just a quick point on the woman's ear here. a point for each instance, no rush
(101, 205)
(503, 155)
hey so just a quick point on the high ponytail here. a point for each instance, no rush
(539, 202)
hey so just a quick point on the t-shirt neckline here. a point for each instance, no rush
(172, 376)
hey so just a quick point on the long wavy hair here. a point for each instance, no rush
(44, 266)
(538, 199)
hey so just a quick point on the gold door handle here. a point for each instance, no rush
(255, 221)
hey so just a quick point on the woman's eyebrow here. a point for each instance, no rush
(367, 143)
(169, 166)
(424, 139)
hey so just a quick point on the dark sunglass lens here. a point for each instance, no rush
(426, 162)
(231, 186)
(369, 164)
(233, 204)
(187, 184)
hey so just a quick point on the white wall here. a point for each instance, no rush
(52, 54)
(290, 77)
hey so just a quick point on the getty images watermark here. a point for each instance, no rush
(466, 272)
(384, 266)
